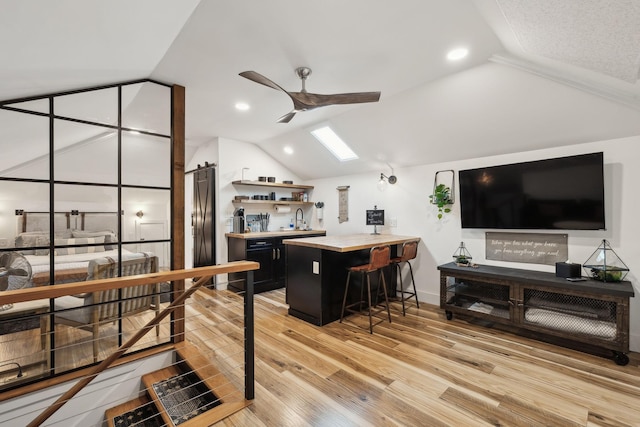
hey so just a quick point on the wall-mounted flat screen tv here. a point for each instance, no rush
(565, 193)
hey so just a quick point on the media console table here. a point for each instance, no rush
(588, 315)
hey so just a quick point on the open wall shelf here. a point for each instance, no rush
(273, 184)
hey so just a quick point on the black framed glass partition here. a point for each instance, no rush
(86, 182)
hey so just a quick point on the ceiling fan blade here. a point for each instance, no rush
(259, 78)
(287, 117)
(314, 100)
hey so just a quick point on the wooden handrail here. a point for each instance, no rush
(55, 291)
(204, 274)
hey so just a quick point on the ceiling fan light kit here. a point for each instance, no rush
(306, 101)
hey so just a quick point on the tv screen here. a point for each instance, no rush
(565, 193)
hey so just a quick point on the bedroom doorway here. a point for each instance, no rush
(152, 231)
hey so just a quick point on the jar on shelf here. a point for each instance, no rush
(605, 265)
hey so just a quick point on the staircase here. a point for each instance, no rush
(191, 392)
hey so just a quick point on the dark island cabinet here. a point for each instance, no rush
(269, 252)
(589, 316)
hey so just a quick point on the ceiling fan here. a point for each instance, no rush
(305, 101)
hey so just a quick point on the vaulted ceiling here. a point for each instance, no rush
(538, 74)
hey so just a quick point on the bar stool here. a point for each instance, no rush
(409, 252)
(379, 257)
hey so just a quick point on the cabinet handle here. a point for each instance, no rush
(261, 243)
(278, 253)
(273, 254)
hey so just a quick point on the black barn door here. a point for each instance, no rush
(204, 229)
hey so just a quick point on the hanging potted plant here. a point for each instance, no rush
(441, 197)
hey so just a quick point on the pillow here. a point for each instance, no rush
(109, 236)
(79, 249)
(31, 239)
(66, 234)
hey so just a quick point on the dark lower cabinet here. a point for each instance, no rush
(269, 252)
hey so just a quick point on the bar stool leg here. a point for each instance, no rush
(386, 297)
(369, 296)
(415, 293)
(399, 268)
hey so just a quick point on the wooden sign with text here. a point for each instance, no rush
(535, 248)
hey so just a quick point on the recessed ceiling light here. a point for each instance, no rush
(334, 143)
(242, 106)
(288, 150)
(458, 53)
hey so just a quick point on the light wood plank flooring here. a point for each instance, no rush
(422, 370)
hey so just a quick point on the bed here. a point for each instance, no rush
(79, 237)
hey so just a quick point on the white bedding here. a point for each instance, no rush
(40, 263)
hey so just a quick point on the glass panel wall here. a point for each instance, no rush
(100, 208)
(139, 100)
(24, 145)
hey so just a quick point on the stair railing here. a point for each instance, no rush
(203, 273)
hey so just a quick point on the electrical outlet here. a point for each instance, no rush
(316, 267)
(393, 222)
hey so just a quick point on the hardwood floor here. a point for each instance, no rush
(421, 370)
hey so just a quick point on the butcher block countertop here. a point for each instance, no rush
(351, 242)
(265, 234)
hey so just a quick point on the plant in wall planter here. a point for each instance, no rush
(441, 197)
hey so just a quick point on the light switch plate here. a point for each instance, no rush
(316, 267)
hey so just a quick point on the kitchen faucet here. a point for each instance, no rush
(299, 222)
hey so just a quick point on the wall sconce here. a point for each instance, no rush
(382, 184)
(139, 214)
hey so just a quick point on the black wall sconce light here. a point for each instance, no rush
(382, 184)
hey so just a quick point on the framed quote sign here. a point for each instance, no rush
(535, 248)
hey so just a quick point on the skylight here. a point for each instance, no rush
(334, 143)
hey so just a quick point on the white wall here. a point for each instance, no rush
(407, 202)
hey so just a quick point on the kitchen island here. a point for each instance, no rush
(316, 271)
